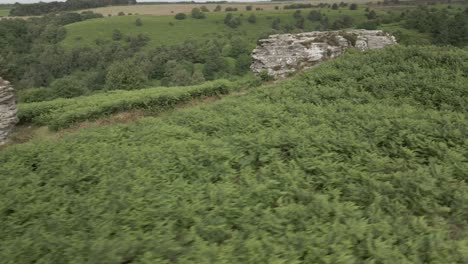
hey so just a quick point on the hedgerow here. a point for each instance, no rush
(62, 113)
(323, 168)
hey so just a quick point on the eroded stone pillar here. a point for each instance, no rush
(8, 118)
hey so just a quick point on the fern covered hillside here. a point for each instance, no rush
(359, 160)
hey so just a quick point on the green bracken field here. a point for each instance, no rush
(62, 113)
(359, 160)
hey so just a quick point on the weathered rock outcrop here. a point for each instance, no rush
(287, 53)
(8, 110)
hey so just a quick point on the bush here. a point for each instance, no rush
(116, 35)
(252, 19)
(230, 9)
(197, 13)
(371, 15)
(353, 6)
(275, 24)
(334, 6)
(231, 21)
(297, 14)
(121, 13)
(204, 9)
(342, 22)
(180, 16)
(36, 95)
(248, 8)
(125, 75)
(69, 87)
(314, 15)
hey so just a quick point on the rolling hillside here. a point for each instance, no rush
(359, 160)
(167, 30)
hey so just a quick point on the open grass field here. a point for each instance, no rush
(167, 30)
(167, 9)
(4, 11)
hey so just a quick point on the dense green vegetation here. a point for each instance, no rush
(359, 160)
(43, 8)
(62, 113)
(71, 54)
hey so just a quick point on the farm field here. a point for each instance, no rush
(361, 159)
(166, 30)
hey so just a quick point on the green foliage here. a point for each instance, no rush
(125, 75)
(359, 160)
(344, 21)
(68, 87)
(297, 14)
(276, 23)
(371, 15)
(243, 63)
(138, 22)
(177, 73)
(180, 16)
(197, 13)
(117, 35)
(230, 9)
(314, 15)
(62, 113)
(252, 19)
(232, 21)
(36, 95)
(445, 27)
(353, 6)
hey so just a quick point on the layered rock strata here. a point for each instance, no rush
(282, 54)
(8, 118)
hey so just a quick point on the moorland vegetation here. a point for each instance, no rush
(362, 159)
(73, 54)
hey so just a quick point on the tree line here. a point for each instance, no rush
(42, 8)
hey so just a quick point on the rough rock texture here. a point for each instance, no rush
(287, 53)
(8, 117)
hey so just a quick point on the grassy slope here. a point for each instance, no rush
(161, 32)
(362, 159)
(168, 9)
(4, 11)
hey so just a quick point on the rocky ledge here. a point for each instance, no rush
(282, 54)
(8, 110)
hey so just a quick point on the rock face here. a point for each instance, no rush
(8, 117)
(287, 53)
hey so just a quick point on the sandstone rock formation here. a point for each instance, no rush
(287, 53)
(8, 117)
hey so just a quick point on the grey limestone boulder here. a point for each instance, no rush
(282, 54)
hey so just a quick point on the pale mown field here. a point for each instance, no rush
(167, 9)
